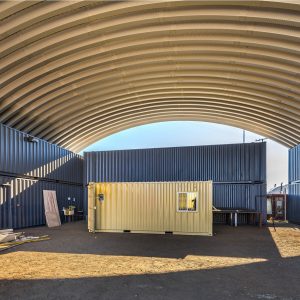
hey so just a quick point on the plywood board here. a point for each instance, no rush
(51, 209)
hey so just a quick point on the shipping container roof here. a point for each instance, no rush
(73, 72)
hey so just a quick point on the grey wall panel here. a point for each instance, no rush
(239, 196)
(30, 168)
(5, 204)
(21, 200)
(293, 204)
(41, 159)
(294, 164)
(220, 163)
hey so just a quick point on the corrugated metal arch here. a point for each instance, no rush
(76, 71)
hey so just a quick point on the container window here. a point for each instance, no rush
(187, 202)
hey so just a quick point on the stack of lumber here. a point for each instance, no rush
(9, 239)
(8, 235)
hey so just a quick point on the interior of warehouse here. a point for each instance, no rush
(75, 72)
(169, 221)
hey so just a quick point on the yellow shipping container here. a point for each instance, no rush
(151, 207)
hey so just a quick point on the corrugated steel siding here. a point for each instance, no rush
(21, 200)
(220, 163)
(42, 159)
(294, 164)
(293, 204)
(237, 170)
(150, 207)
(239, 196)
(46, 166)
(5, 206)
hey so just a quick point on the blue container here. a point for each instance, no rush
(28, 168)
(22, 204)
(220, 163)
(37, 159)
(293, 204)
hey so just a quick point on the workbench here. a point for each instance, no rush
(232, 215)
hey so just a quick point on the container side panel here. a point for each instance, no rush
(37, 159)
(294, 164)
(26, 168)
(152, 207)
(219, 163)
(293, 202)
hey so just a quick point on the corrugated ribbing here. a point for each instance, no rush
(220, 163)
(293, 204)
(239, 196)
(294, 164)
(26, 169)
(41, 159)
(21, 200)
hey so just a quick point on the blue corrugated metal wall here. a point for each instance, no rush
(42, 159)
(293, 211)
(26, 169)
(238, 170)
(220, 163)
(21, 202)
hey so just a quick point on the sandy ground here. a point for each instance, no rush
(236, 263)
(287, 239)
(31, 265)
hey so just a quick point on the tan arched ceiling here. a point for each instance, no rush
(75, 71)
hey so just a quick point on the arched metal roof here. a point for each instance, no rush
(75, 71)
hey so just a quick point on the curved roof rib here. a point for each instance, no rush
(73, 72)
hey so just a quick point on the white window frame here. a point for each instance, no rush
(187, 211)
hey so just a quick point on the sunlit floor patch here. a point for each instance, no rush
(46, 265)
(287, 240)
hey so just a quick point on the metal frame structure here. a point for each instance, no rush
(73, 72)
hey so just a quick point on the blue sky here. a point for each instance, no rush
(171, 134)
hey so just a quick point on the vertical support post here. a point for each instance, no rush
(91, 207)
(235, 219)
(285, 206)
(260, 220)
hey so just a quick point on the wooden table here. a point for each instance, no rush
(233, 213)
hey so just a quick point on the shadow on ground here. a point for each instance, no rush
(267, 280)
(272, 277)
(243, 241)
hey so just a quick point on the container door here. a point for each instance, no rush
(5, 207)
(19, 200)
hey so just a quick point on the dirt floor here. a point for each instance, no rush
(236, 263)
